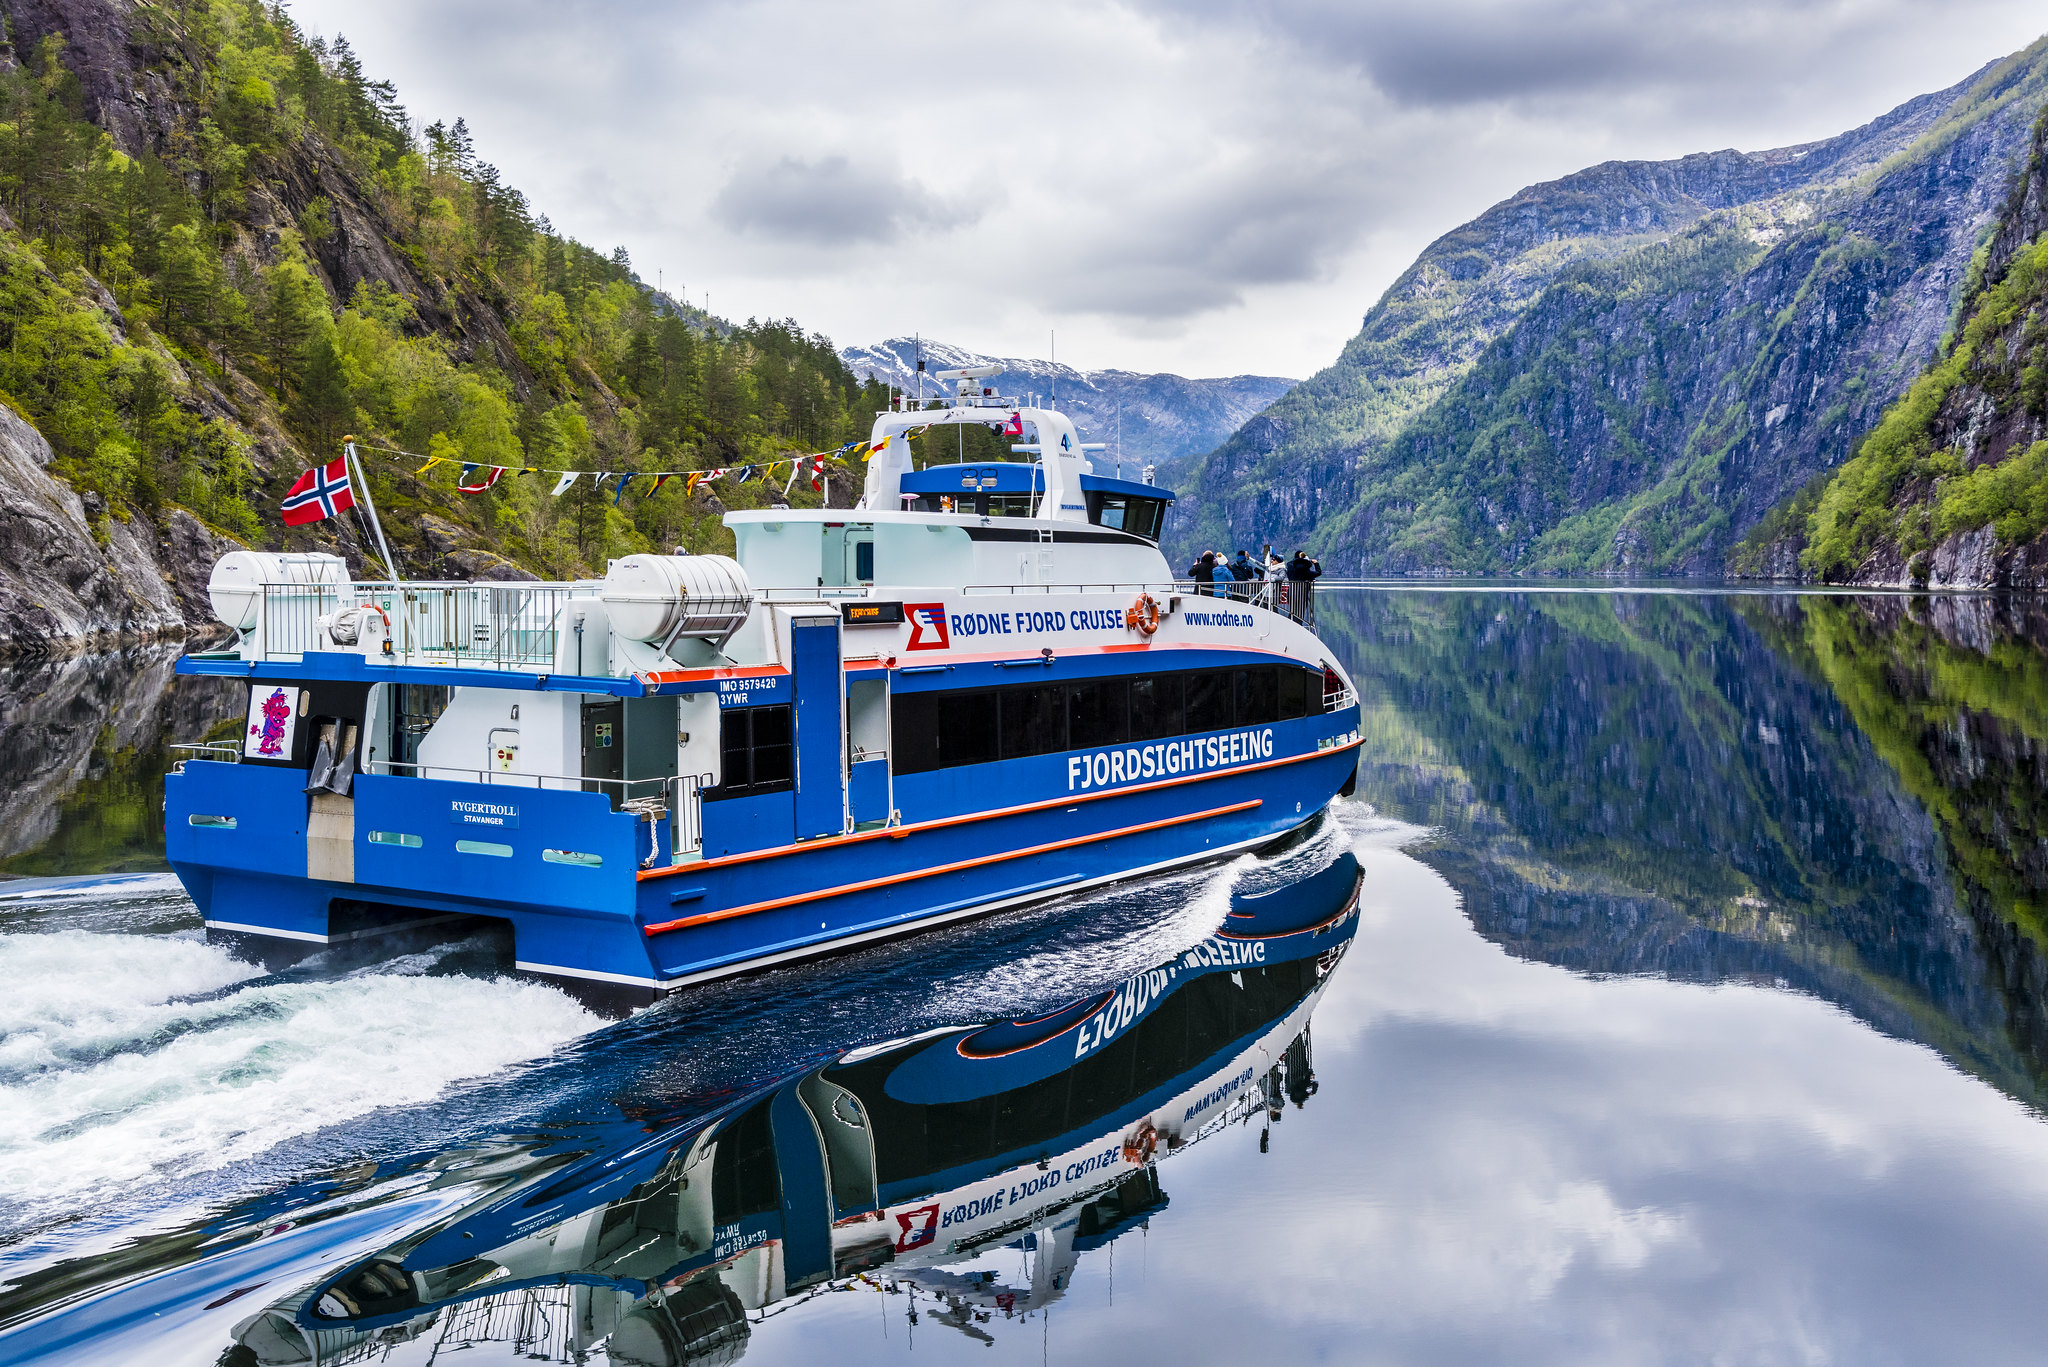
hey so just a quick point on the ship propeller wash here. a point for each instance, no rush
(979, 687)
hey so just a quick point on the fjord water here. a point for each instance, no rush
(1694, 1013)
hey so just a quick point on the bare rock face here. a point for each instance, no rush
(71, 582)
(485, 565)
(189, 549)
(1967, 560)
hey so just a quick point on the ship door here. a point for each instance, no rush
(867, 752)
(817, 678)
(806, 1191)
(604, 746)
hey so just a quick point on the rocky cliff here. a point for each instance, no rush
(1160, 420)
(1951, 489)
(1625, 370)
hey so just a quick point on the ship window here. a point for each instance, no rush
(942, 730)
(743, 1177)
(1146, 517)
(575, 857)
(483, 847)
(222, 823)
(1131, 513)
(754, 751)
(1209, 706)
(1034, 721)
(1009, 505)
(1293, 693)
(967, 729)
(399, 838)
(1156, 707)
(1097, 713)
(415, 708)
(1258, 695)
(864, 561)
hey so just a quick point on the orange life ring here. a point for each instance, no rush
(1140, 1147)
(1143, 615)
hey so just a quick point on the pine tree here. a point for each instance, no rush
(290, 311)
(322, 408)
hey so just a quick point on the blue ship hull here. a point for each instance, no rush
(607, 919)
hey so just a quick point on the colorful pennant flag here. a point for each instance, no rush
(624, 480)
(322, 492)
(746, 474)
(568, 478)
(659, 480)
(477, 478)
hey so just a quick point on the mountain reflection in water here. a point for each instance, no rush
(1842, 794)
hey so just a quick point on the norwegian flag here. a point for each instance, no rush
(322, 492)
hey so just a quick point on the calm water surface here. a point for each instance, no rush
(1693, 1011)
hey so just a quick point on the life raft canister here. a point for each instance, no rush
(1143, 615)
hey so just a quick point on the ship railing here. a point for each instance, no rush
(1339, 700)
(223, 752)
(1266, 594)
(677, 799)
(513, 625)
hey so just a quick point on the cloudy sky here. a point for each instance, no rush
(1203, 186)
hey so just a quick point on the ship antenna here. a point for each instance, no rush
(1055, 366)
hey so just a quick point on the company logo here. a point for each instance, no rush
(917, 1227)
(927, 626)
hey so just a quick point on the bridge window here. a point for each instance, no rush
(1133, 513)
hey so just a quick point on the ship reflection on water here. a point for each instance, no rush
(891, 1169)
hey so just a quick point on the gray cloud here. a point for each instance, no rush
(831, 202)
(1202, 186)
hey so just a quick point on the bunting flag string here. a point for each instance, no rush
(475, 477)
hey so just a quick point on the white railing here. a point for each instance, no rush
(513, 625)
(222, 752)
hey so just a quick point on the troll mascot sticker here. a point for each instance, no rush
(273, 715)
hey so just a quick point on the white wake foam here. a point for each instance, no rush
(108, 1078)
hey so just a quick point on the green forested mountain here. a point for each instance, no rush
(1951, 488)
(227, 246)
(1625, 370)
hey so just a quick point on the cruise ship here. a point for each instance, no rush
(979, 687)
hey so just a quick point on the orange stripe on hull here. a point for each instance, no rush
(798, 899)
